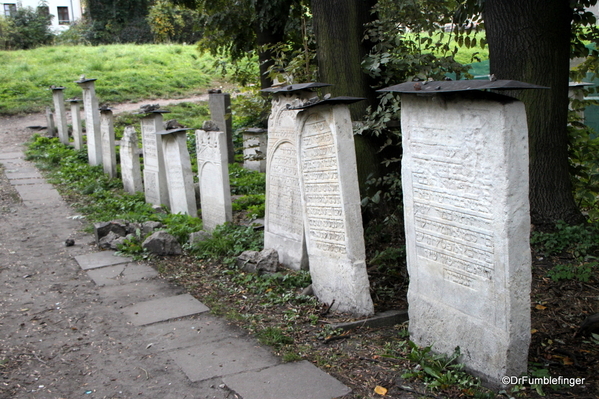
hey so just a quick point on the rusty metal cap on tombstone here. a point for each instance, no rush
(295, 87)
(178, 130)
(451, 86)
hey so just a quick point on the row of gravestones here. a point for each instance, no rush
(465, 184)
(167, 175)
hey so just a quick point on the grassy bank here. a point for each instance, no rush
(125, 73)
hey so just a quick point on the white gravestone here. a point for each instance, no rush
(107, 139)
(220, 112)
(213, 172)
(465, 185)
(50, 122)
(92, 121)
(61, 114)
(130, 167)
(76, 123)
(254, 149)
(154, 172)
(331, 208)
(283, 221)
(179, 176)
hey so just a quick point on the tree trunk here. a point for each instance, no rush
(339, 31)
(265, 37)
(529, 41)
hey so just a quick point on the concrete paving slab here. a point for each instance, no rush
(123, 295)
(19, 182)
(35, 193)
(21, 168)
(298, 380)
(11, 155)
(32, 175)
(200, 329)
(100, 259)
(163, 309)
(222, 358)
(121, 274)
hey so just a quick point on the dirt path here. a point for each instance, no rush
(59, 337)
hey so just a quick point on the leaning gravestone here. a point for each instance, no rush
(178, 172)
(107, 138)
(283, 221)
(50, 122)
(76, 123)
(331, 207)
(465, 185)
(92, 120)
(154, 173)
(130, 167)
(220, 112)
(213, 173)
(61, 114)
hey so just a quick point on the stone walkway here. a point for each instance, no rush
(113, 326)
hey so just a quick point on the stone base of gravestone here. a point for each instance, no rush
(465, 185)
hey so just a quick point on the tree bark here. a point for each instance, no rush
(339, 31)
(529, 41)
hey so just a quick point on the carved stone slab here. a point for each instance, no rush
(130, 167)
(220, 113)
(213, 173)
(179, 176)
(284, 225)
(465, 185)
(76, 123)
(331, 208)
(61, 115)
(92, 122)
(154, 172)
(107, 139)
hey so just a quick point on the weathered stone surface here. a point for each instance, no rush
(102, 229)
(108, 241)
(266, 260)
(161, 243)
(130, 166)
(61, 114)
(76, 124)
(149, 227)
(254, 149)
(220, 113)
(199, 236)
(155, 186)
(50, 122)
(331, 208)
(465, 185)
(283, 223)
(213, 173)
(179, 176)
(107, 139)
(92, 122)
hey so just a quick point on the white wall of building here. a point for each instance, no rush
(64, 11)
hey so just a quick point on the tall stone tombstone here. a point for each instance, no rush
(213, 173)
(50, 122)
(331, 207)
(220, 112)
(61, 114)
(76, 123)
(92, 120)
(155, 185)
(179, 176)
(254, 149)
(130, 166)
(465, 186)
(107, 140)
(283, 221)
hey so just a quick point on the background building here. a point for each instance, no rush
(64, 11)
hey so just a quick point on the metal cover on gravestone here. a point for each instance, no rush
(295, 87)
(164, 132)
(449, 86)
(74, 100)
(84, 80)
(57, 87)
(331, 101)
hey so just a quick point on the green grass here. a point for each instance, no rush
(125, 73)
